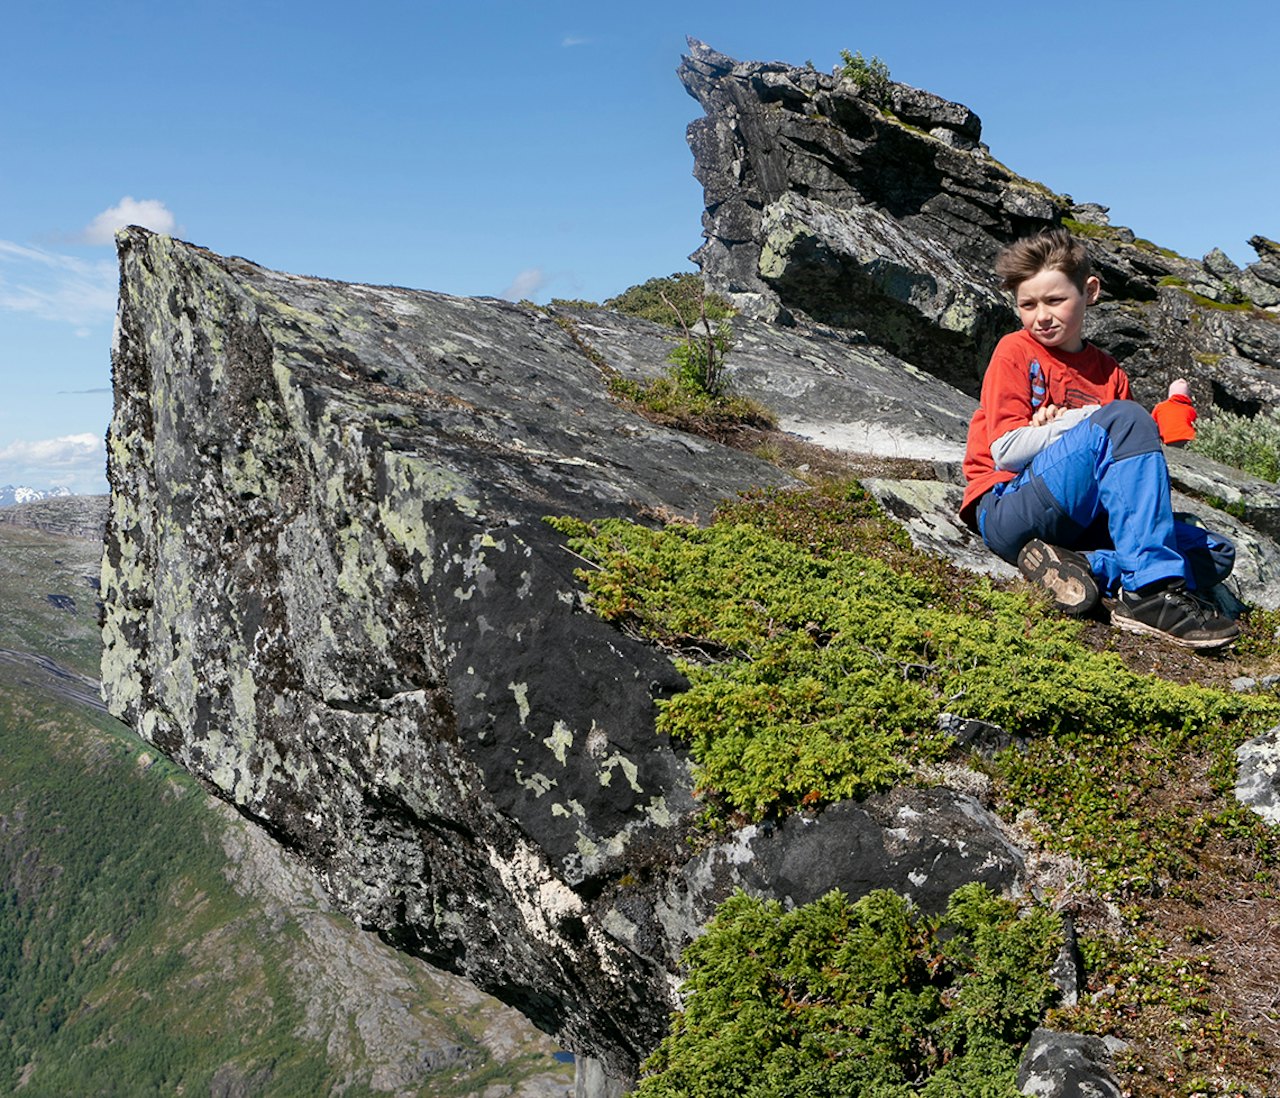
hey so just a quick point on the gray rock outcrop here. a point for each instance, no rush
(822, 206)
(1068, 1065)
(330, 595)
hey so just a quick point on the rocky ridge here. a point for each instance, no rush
(330, 595)
(825, 205)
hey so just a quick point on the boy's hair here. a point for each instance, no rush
(1051, 250)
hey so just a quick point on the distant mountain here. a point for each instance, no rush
(9, 494)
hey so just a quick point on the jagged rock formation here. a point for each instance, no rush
(821, 206)
(330, 595)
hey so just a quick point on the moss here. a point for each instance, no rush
(820, 655)
(1089, 230)
(1149, 246)
(1225, 306)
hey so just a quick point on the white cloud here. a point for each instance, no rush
(571, 41)
(54, 286)
(77, 462)
(527, 283)
(150, 213)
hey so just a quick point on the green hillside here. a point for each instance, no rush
(151, 942)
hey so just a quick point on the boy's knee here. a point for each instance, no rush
(1130, 428)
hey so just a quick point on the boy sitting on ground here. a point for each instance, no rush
(1066, 475)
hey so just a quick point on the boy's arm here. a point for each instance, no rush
(1006, 395)
(1015, 449)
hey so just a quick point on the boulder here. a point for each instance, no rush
(330, 595)
(1258, 775)
(1068, 1065)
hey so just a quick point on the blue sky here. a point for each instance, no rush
(534, 148)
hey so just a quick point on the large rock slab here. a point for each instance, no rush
(330, 595)
(825, 385)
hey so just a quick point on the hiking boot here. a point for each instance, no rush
(1175, 614)
(1065, 574)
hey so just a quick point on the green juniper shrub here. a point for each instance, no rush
(652, 300)
(818, 667)
(874, 998)
(820, 649)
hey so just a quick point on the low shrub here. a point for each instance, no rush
(857, 998)
(1249, 443)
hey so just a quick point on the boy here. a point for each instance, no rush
(1176, 416)
(1059, 459)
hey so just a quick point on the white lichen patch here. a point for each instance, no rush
(540, 898)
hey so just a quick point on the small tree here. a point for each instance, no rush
(871, 78)
(699, 360)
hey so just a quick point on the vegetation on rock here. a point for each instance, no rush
(1251, 443)
(821, 650)
(653, 300)
(693, 394)
(857, 998)
(870, 77)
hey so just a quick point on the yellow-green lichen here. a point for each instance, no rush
(521, 692)
(560, 740)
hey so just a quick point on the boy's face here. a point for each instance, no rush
(1052, 309)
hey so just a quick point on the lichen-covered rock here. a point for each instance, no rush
(331, 596)
(1068, 1065)
(1258, 775)
(824, 385)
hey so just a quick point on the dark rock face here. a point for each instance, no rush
(822, 207)
(330, 595)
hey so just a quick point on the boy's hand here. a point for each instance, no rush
(1046, 413)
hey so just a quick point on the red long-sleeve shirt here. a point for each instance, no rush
(1069, 380)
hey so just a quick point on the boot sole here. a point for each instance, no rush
(1070, 583)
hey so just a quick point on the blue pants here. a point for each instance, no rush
(1103, 489)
